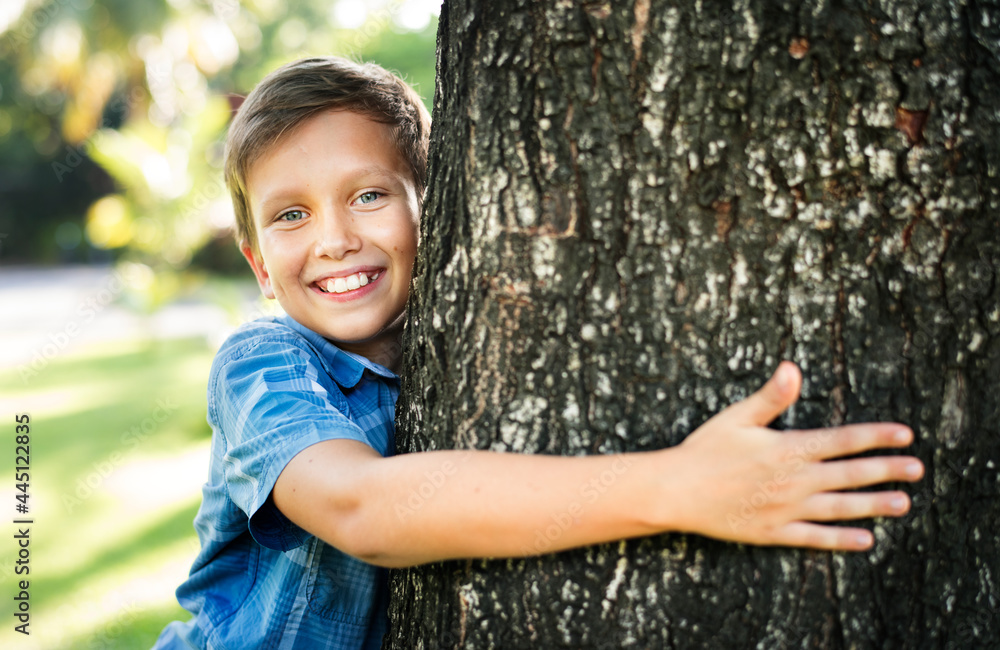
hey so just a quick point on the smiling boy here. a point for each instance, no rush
(326, 162)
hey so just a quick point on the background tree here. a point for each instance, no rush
(635, 211)
(113, 112)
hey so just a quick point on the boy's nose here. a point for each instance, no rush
(337, 238)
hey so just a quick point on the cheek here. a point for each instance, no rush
(412, 238)
(401, 238)
(408, 250)
(283, 253)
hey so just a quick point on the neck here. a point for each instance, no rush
(385, 349)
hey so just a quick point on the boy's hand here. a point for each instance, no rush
(761, 486)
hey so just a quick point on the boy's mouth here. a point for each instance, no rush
(347, 283)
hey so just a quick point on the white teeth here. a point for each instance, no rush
(349, 283)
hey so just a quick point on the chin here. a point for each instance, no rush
(351, 336)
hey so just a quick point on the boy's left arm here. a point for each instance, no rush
(428, 506)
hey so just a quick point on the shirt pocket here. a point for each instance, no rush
(226, 582)
(340, 588)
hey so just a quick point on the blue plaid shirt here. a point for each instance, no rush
(260, 581)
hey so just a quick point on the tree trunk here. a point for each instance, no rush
(635, 211)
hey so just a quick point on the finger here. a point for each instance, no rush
(829, 538)
(861, 472)
(780, 392)
(845, 507)
(823, 444)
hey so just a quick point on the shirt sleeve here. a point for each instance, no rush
(272, 399)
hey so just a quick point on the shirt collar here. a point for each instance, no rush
(346, 368)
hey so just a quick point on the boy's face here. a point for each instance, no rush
(336, 213)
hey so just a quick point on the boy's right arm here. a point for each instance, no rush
(732, 479)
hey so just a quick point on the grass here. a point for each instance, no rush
(119, 450)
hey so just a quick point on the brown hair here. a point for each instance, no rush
(299, 90)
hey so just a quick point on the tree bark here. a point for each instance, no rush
(635, 210)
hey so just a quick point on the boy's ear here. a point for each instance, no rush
(259, 270)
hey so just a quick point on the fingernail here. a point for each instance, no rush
(913, 470)
(863, 540)
(903, 435)
(898, 504)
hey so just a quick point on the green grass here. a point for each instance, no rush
(119, 449)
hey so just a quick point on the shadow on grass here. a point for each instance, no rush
(123, 432)
(79, 368)
(149, 398)
(129, 631)
(129, 548)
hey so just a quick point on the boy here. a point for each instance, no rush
(325, 161)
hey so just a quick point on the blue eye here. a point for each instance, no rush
(368, 197)
(292, 215)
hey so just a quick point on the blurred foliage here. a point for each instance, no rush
(113, 115)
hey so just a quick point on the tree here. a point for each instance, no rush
(635, 210)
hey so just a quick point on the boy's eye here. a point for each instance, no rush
(368, 197)
(291, 215)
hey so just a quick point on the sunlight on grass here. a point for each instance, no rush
(173, 477)
(122, 506)
(104, 609)
(97, 393)
(119, 451)
(63, 401)
(117, 597)
(109, 601)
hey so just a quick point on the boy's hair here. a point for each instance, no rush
(299, 90)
